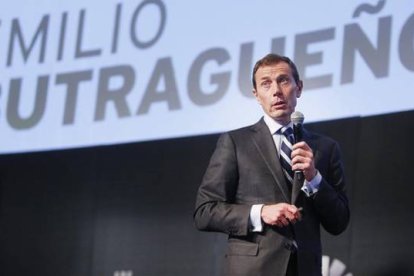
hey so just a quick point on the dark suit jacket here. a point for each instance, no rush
(245, 170)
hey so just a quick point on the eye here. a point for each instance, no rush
(266, 84)
(283, 80)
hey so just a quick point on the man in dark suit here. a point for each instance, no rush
(247, 193)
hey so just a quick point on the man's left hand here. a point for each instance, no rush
(302, 159)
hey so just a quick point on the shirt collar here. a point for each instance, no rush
(273, 125)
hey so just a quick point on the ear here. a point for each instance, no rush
(256, 95)
(299, 87)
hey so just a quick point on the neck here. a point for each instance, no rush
(282, 122)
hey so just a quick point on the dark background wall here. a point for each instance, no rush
(102, 210)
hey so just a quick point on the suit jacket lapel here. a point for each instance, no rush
(265, 145)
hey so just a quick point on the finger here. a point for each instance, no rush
(301, 152)
(299, 159)
(301, 145)
(293, 209)
(298, 214)
(303, 162)
(299, 166)
(283, 220)
(292, 219)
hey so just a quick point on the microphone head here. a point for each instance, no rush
(297, 118)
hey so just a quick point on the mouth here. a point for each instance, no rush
(279, 104)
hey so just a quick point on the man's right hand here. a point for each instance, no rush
(280, 214)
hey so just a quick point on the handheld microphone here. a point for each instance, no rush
(297, 120)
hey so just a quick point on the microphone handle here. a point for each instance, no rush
(297, 132)
(298, 136)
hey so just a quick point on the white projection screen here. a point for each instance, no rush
(85, 73)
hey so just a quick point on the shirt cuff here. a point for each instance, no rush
(311, 187)
(256, 218)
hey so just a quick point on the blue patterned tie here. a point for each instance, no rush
(286, 151)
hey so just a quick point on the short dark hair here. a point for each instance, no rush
(271, 59)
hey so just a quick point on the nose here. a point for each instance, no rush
(276, 89)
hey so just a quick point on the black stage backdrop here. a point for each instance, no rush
(126, 210)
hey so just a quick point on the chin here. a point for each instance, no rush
(280, 116)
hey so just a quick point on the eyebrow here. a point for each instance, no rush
(282, 76)
(278, 78)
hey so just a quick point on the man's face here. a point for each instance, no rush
(276, 91)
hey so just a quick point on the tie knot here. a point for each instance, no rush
(287, 131)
